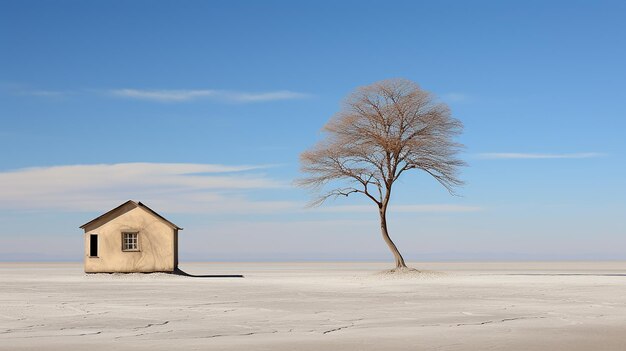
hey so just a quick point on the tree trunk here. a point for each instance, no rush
(394, 250)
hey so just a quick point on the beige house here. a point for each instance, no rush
(131, 238)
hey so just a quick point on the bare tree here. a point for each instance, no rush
(382, 131)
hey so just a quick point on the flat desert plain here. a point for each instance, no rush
(317, 306)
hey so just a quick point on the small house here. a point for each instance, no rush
(131, 238)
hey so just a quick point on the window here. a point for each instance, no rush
(130, 241)
(93, 245)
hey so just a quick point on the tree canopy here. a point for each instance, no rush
(381, 131)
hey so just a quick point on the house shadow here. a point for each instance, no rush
(180, 272)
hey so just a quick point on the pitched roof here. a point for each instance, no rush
(123, 208)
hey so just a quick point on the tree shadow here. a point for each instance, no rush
(180, 272)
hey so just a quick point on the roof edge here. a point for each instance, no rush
(140, 204)
(135, 205)
(107, 212)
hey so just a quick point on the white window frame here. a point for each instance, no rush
(130, 241)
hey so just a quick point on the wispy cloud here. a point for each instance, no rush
(174, 96)
(429, 208)
(519, 155)
(177, 187)
(170, 187)
(219, 95)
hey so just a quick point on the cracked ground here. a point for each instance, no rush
(316, 306)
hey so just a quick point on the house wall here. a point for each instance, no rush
(157, 245)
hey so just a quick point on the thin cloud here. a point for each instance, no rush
(516, 155)
(173, 96)
(429, 208)
(163, 95)
(178, 187)
(218, 95)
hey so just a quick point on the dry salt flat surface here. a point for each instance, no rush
(317, 306)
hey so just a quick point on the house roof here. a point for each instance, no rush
(123, 208)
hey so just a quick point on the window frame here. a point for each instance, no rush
(136, 241)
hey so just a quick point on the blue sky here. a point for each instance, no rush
(200, 109)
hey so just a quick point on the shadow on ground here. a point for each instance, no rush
(185, 274)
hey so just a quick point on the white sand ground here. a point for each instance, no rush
(316, 306)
